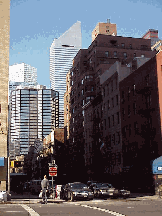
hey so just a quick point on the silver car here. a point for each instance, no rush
(105, 190)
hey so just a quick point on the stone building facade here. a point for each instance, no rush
(4, 73)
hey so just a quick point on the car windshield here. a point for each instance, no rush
(104, 185)
(78, 185)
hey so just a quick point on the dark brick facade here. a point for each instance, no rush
(89, 133)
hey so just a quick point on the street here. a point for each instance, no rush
(109, 207)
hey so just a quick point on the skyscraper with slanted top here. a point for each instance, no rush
(62, 52)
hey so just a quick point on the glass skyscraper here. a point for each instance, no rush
(33, 115)
(62, 52)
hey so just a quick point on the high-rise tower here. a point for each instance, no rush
(33, 115)
(62, 52)
(23, 73)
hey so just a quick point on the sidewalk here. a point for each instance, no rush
(27, 198)
(144, 196)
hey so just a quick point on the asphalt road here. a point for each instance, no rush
(81, 208)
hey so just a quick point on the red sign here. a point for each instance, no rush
(52, 171)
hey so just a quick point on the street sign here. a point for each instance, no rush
(52, 171)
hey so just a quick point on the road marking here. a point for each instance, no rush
(14, 211)
(30, 210)
(104, 210)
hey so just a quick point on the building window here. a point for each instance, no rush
(134, 89)
(108, 104)
(129, 111)
(82, 91)
(112, 102)
(123, 113)
(125, 55)
(109, 122)
(134, 108)
(116, 82)
(148, 101)
(107, 89)
(113, 120)
(83, 112)
(117, 100)
(130, 46)
(72, 82)
(104, 92)
(0, 108)
(134, 54)
(142, 55)
(115, 53)
(92, 88)
(123, 94)
(147, 80)
(107, 53)
(123, 45)
(129, 91)
(105, 123)
(109, 140)
(135, 127)
(113, 139)
(73, 120)
(112, 85)
(124, 131)
(118, 137)
(130, 129)
(118, 117)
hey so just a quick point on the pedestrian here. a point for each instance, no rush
(45, 186)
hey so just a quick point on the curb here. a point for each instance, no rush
(31, 201)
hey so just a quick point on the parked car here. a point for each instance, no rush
(104, 190)
(77, 190)
(124, 193)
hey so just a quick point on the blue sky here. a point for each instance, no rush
(35, 23)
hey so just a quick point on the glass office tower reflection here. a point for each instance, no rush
(62, 52)
(34, 112)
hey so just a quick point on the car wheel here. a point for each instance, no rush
(71, 197)
(97, 195)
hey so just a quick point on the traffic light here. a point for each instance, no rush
(15, 163)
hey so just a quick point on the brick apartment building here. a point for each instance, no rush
(141, 122)
(88, 131)
(105, 29)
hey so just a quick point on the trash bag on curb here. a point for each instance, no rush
(40, 194)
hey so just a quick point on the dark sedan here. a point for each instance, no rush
(76, 191)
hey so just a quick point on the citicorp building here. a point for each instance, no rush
(62, 52)
(4, 71)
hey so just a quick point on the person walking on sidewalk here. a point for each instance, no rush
(45, 186)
